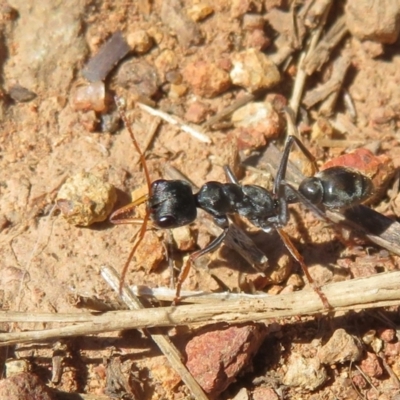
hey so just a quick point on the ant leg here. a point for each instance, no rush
(119, 104)
(140, 237)
(192, 258)
(281, 173)
(169, 251)
(230, 175)
(297, 256)
(118, 217)
(279, 190)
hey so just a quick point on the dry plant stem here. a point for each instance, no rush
(343, 143)
(330, 87)
(339, 72)
(320, 54)
(378, 228)
(175, 121)
(164, 343)
(343, 124)
(301, 75)
(229, 110)
(80, 396)
(367, 378)
(379, 290)
(190, 296)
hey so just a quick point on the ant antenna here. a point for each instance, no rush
(131, 206)
(119, 103)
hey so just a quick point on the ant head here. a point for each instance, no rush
(171, 204)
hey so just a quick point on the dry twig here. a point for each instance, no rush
(379, 290)
(175, 121)
(164, 343)
(332, 86)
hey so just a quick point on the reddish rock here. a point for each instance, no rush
(249, 140)
(264, 393)
(216, 358)
(387, 335)
(257, 39)
(196, 112)
(206, 79)
(24, 386)
(392, 349)
(257, 119)
(359, 381)
(371, 365)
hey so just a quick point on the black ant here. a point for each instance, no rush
(171, 203)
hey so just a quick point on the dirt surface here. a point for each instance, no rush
(182, 63)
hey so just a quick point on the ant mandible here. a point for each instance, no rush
(171, 203)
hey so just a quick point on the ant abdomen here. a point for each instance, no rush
(337, 188)
(171, 204)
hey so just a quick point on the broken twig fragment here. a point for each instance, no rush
(112, 51)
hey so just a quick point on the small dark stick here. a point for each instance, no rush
(110, 53)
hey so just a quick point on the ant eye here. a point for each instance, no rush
(167, 221)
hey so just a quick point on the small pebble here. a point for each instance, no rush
(253, 70)
(253, 21)
(256, 118)
(392, 349)
(150, 253)
(199, 11)
(371, 365)
(90, 96)
(21, 94)
(196, 112)
(305, 373)
(176, 19)
(138, 76)
(85, 199)
(166, 61)
(183, 238)
(340, 348)
(387, 335)
(206, 79)
(257, 39)
(177, 91)
(110, 123)
(139, 41)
